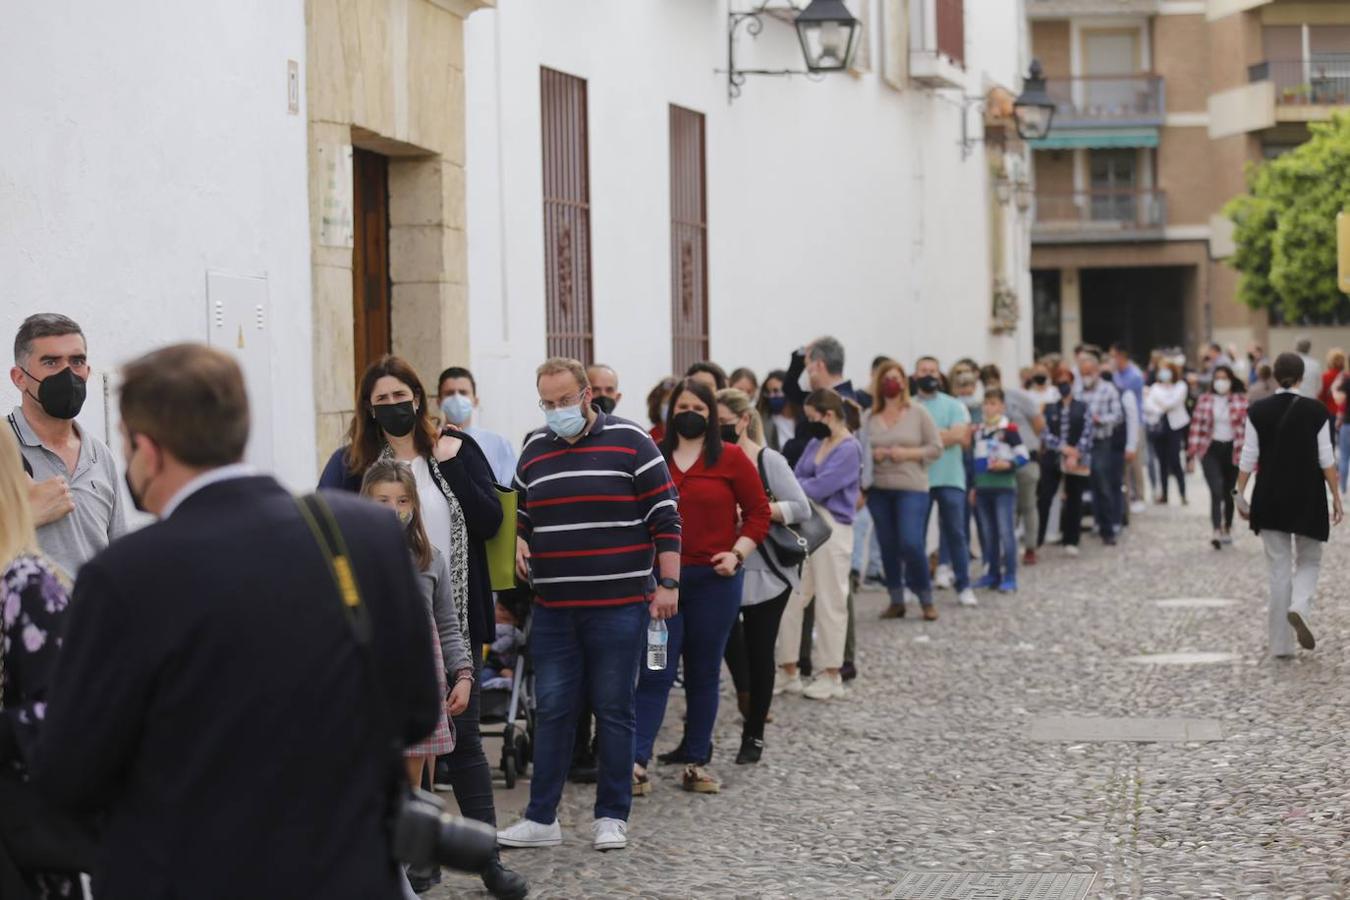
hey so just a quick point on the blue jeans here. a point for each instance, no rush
(951, 505)
(866, 550)
(595, 650)
(996, 513)
(1343, 458)
(1105, 497)
(709, 604)
(901, 519)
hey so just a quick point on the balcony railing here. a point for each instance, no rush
(1060, 9)
(1107, 100)
(1100, 216)
(1323, 80)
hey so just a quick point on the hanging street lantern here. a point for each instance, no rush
(1034, 110)
(829, 35)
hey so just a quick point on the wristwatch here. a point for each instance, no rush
(670, 583)
(740, 557)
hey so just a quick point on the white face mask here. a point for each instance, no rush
(1165, 376)
(1222, 386)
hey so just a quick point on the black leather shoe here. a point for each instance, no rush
(504, 884)
(752, 749)
(848, 671)
(678, 756)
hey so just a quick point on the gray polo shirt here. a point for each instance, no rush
(73, 540)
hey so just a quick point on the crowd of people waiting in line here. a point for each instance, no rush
(746, 514)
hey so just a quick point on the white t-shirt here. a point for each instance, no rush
(435, 508)
(1223, 421)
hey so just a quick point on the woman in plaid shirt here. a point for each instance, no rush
(1217, 428)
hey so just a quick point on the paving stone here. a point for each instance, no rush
(1082, 728)
(1184, 658)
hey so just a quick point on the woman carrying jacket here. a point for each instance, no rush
(461, 512)
(1217, 431)
(1165, 405)
(1066, 455)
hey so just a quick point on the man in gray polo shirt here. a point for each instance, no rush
(75, 496)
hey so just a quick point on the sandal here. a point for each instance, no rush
(642, 785)
(698, 780)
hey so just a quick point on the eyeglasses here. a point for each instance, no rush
(569, 400)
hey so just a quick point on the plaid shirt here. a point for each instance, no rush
(1103, 400)
(1202, 425)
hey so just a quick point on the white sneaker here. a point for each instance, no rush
(531, 834)
(825, 687)
(944, 579)
(1138, 506)
(910, 596)
(610, 834)
(783, 683)
(967, 598)
(1071, 550)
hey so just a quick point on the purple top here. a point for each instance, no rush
(836, 482)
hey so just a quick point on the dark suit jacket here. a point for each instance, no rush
(792, 388)
(470, 477)
(211, 697)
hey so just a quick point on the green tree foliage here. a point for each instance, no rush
(1285, 226)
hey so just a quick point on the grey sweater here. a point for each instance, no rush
(761, 584)
(435, 584)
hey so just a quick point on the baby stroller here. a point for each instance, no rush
(513, 708)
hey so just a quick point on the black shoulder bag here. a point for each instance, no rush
(792, 544)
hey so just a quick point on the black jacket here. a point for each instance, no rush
(1054, 422)
(792, 389)
(1290, 493)
(471, 479)
(212, 699)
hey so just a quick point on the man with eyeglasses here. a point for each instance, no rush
(597, 515)
(74, 489)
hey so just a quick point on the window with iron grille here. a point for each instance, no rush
(567, 216)
(688, 239)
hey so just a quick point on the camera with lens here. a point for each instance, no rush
(425, 834)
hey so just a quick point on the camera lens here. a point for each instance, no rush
(425, 834)
(464, 844)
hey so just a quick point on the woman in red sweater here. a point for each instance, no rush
(725, 517)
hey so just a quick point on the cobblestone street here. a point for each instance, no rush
(933, 762)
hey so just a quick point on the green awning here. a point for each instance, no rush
(1097, 138)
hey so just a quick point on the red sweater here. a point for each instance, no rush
(709, 497)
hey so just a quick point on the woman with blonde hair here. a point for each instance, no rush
(900, 441)
(33, 604)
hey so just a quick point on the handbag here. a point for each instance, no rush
(501, 547)
(792, 544)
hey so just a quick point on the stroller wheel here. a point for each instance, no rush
(522, 752)
(510, 768)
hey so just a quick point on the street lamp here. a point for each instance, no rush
(829, 35)
(1034, 110)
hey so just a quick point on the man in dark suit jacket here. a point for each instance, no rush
(211, 698)
(1287, 441)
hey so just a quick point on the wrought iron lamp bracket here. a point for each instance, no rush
(751, 21)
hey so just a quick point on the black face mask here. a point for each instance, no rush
(1108, 377)
(729, 435)
(690, 424)
(604, 404)
(928, 384)
(61, 396)
(818, 430)
(397, 419)
(1040, 379)
(1065, 389)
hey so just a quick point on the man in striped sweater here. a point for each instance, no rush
(597, 512)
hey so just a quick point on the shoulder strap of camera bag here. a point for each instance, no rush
(27, 466)
(328, 536)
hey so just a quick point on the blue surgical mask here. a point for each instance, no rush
(457, 408)
(566, 421)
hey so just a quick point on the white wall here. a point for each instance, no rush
(145, 144)
(840, 206)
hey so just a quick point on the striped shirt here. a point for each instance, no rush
(595, 513)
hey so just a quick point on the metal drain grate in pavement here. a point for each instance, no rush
(994, 886)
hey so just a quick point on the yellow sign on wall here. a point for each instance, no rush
(1343, 251)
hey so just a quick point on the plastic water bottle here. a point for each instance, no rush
(657, 638)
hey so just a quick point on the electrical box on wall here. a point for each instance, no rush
(238, 322)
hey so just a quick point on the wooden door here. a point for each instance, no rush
(370, 258)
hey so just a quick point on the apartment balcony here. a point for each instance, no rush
(937, 51)
(1306, 89)
(1099, 217)
(1063, 9)
(1100, 112)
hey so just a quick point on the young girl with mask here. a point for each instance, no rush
(391, 484)
(725, 516)
(1218, 426)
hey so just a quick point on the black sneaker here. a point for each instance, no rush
(504, 884)
(752, 749)
(678, 756)
(848, 671)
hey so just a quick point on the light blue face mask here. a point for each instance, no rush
(566, 421)
(457, 408)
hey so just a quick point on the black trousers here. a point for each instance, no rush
(750, 657)
(1167, 447)
(467, 765)
(1221, 476)
(1071, 515)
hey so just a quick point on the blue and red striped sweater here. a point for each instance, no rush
(595, 513)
